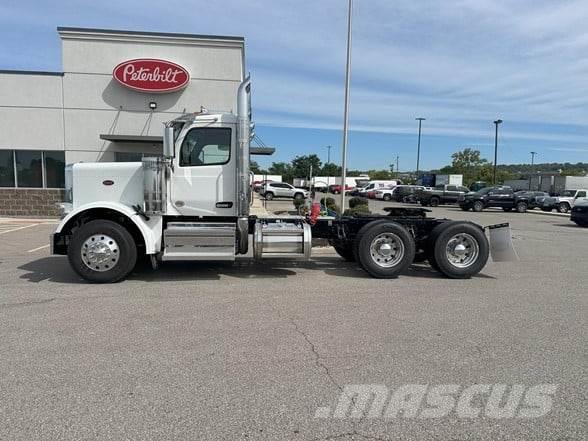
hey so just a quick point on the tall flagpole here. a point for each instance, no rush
(346, 111)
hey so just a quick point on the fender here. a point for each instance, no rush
(151, 230)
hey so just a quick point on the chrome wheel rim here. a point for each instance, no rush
(462, 250)
(100, 252)
(386, 250)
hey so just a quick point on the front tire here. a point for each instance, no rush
(460, 249)
(478, 206)
(434, 202)
(298, 196)
(385, 249)
(563, 207)
(387, 197)
(268, 196)
(102, 251)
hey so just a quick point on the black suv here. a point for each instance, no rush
(499, 197)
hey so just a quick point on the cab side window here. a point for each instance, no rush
(206, 146)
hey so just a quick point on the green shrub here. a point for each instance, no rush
(358, 210)
(299, 204)
(357, 202)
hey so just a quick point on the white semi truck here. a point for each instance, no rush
(193, 204)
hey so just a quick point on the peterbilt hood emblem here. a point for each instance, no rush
(151, 75)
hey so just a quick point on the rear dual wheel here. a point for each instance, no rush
(458, 250)
(384, 249)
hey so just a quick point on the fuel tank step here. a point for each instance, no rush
(199, 241)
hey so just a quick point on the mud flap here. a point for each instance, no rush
(501, 247)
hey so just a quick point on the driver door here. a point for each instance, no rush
(203, 181)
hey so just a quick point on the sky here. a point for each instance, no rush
(460, 64)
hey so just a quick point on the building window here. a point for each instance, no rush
(33, 168)
(54, 169)
(29, 169)
(6, 168)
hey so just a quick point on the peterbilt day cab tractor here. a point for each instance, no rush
(193, 204)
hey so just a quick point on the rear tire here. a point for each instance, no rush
(434, 202)
(385, 249)
(522, 207)
(478, 206)
(563, 207)
(345, 251)
(387, 197)
(268, 196)
(102, 251)
(460, 249)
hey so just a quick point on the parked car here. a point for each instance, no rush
(374, 185)
(273, 190)
(441, 194)
(536, 198)
(385, 193)
(258, 185)
(565, 202)
(495, 197)
(406, 193)
(580, 213)
(336, 188)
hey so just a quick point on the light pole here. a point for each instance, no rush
(397, 169)
(420, 120)
(496, 123)
(346, 109)
(533, 157)
(328, 162)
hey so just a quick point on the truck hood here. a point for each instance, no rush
(107, 181)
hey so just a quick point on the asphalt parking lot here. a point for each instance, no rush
(253, 350)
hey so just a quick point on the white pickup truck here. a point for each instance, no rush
(565, 201)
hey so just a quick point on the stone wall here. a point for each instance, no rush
(30, 202)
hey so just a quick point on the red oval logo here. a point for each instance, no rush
(108, 182)
(151, 75)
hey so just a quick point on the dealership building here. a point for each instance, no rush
(108, 103)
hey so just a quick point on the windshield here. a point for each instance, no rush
(485, 190)
(569, 193)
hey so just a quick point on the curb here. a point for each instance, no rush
(548, 213)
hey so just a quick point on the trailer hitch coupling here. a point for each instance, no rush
(501, 246)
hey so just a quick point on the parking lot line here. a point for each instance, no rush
(18, 228)
(38, 248)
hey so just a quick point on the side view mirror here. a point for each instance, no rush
(168, 142)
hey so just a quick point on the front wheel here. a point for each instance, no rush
(434, 202)
(387, 197)
(460, 249)
(563, 207)
(298, 196)
(478, 206)
(102, 251)
(268, 196)
(385, 249)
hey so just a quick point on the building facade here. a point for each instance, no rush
(109, 102)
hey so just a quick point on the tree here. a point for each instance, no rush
(282, 168)
(382, 175)
(330, 169)
(254, 167)
(301, 165)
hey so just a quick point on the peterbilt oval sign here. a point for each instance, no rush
(151, 75)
